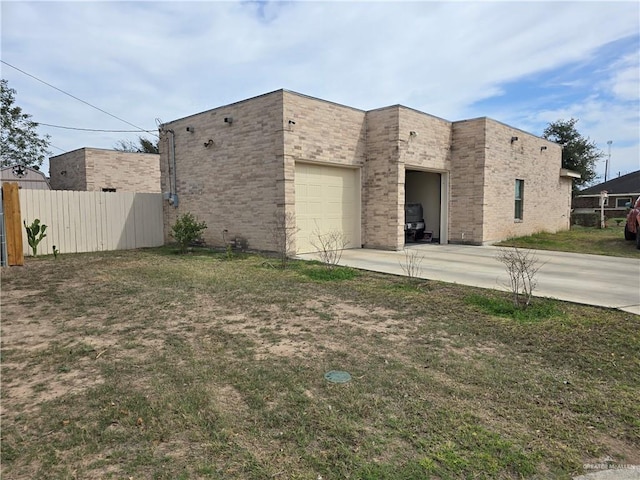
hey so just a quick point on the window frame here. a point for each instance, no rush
(518, 212)
(624, 204)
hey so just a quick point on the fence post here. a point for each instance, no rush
(13, 227)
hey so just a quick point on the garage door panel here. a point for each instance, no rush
(327, 199)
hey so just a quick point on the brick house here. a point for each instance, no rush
(620, 191)
(333, 167)
(96, 169)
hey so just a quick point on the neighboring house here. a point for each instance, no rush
(95, 169)
(332, 167)
(25, 177)
(620, 191)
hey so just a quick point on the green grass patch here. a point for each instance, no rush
(322, 273)
(539, 308)
(474, 448)
(591, 240)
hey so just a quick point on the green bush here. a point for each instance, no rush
(585, 219)
(187, 230)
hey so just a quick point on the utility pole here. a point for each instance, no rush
(606, 166)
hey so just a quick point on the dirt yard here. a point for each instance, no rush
(147, 364)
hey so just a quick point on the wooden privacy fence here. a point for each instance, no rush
(92, 221)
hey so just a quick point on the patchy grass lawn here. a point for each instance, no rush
(597, 241)
(147, 364)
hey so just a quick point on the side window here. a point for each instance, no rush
(621, 202)
(519, 199)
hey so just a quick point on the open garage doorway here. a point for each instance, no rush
(426, 189)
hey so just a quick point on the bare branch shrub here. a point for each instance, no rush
(412, 265)
(329, 246)
(522, 267)
(283, 233)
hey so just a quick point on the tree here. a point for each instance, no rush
(578, 153)
(19, 140)
(144, 146)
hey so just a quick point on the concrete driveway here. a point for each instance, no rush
(588, 279)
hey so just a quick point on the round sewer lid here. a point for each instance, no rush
(337, 376)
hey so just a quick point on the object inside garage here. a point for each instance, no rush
(423, 189)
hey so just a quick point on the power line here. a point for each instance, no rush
(95, 129)
(74, 97)
(52, 145)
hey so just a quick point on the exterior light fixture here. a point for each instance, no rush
(413, 133)
(228, 120)
(190, 129)
(514, 139)
(543, 148)
(291, 122)
(208, 143)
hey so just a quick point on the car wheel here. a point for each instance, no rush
(638, 238)
(628, 235)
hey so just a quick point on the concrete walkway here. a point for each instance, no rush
(588, 279)
(632, 473)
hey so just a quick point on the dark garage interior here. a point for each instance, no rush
(424, 188)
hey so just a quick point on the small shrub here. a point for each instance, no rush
(522, 267)
(187, 230)
(35, 234)
(412, 265)
(330, 246)
(283, 233)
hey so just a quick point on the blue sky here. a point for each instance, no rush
(523, 63)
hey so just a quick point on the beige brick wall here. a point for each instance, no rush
(323, 132)
(124, 171)
(467, 181)
(248, 173)
(383, 181)
(429, 149)
(93, 169)
(68, 171)
(237, 183)
(485, 165)
(546, 205)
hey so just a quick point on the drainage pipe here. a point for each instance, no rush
(173, 185)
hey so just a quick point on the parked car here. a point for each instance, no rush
(632, 227)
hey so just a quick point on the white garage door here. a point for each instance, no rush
(327, 200)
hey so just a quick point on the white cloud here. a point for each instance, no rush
(144, 60)
(625, 78)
